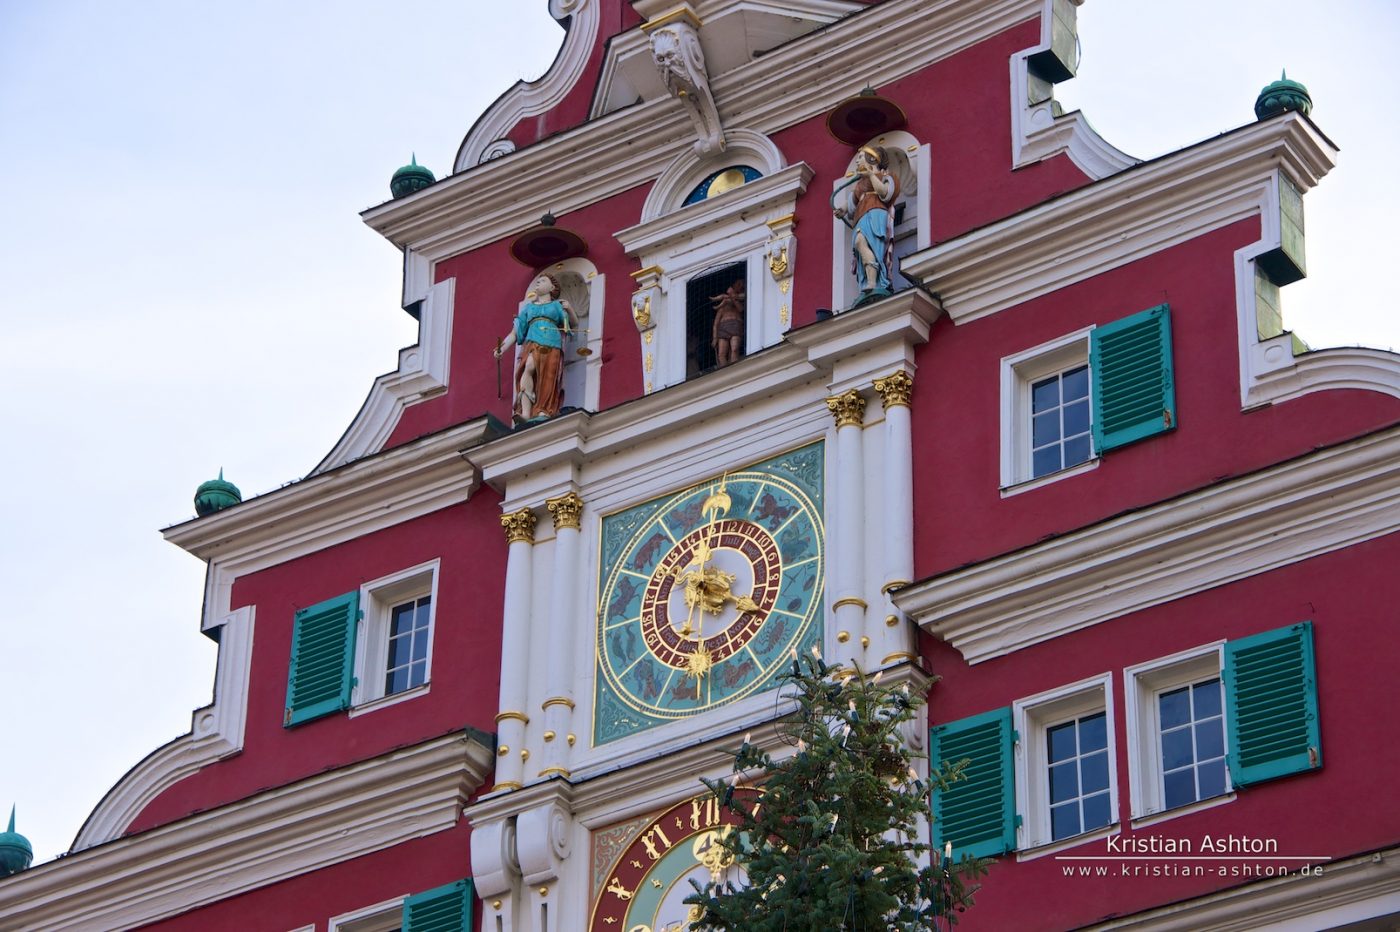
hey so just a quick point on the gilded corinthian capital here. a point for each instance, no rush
(848, 408)
(519, 526)
(895, 389)
(566, 510)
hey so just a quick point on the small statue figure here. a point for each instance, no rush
(541, 326)
(727, 336)
(868, 212)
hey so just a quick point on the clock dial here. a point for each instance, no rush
(646, 887)
(704, 593)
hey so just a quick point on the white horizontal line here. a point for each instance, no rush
(1185, 857)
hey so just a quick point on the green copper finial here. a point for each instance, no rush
(1282, 96)
(412, 177)
(216, 495)
(16, 853)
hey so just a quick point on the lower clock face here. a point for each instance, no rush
(646, 888)
(705, 593)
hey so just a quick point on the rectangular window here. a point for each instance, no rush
(1191, 723)
(1060, 421)
(394, 657)
(1065, 780)
(716, 318)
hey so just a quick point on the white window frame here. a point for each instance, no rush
(381, 917)
(377, 601)
(1032, 717)
(1018, 373)
(1142, 684)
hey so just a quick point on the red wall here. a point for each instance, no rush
(1336, 811)
(402, 870)
(466, 652)
(957, 409)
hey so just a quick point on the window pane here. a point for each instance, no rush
(1096, 813)
(1176, 749)
(417, 674)
(1179, 788)
(396, 681)
(1212, 778)
(1076, 418)
(1207, 698)
(1094, 772)
(1045, 429)
(1064, 821)
(1061, 739)
(420, 644)
(1075, 383)
(1175, 707)
(1210, 739)
(402, 619)
(1077, 450)
(1064, 782)
(1045, 394)
(1045, 461)
(399, 650)
(1093, 735)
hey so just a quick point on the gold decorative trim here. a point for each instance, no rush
(503, 750)
(677, 15)
(507, 785)
(899, 656)
(557, 700)
(566, 511)
(891, 621)
(649, 270)
(843, 636)
(892, 585)
(519, 526)
(555, 771)
(495, 904)
(781, 221)
(571, 739)
(895, 389)
(518, 716)
(849, 600)
(549, 736)
(524, 754)
(848, 408)
(864, 641)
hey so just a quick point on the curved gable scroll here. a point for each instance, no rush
(486, 139)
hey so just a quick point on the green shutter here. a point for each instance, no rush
(444, 909)
(978, 813)
(1131, 365)
(323, 658)
(1271, 705)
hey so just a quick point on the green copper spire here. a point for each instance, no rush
(16, 853)
(412, 177)
(216, 495)
(1281, 96)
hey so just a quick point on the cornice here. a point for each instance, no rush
(628, 148)
(282, 833)
(1127, 216)
(418, 477)
(1315, 504)
(1333, 898)
(815, 351)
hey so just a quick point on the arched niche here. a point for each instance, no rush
(909, 162)
(742, 147)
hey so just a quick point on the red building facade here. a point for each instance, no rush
(1066, 472)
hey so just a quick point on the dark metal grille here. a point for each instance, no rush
(700, 293)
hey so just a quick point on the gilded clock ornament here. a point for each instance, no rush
(703, 593)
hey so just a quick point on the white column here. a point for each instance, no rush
(558, 706)
(848, 536)
(893, 634)
(515, 649)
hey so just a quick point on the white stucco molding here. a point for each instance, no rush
(1306, 507)
(685, 171)
(422, 373)
(341, 505)
(283, 833)
(486, 139)
(216, 732)
(1038, 130)
(1344, 892)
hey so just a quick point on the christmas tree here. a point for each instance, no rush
(833, 836)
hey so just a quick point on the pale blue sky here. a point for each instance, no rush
(185, 284)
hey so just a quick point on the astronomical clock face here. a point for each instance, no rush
(704, 593)
(646, 886)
